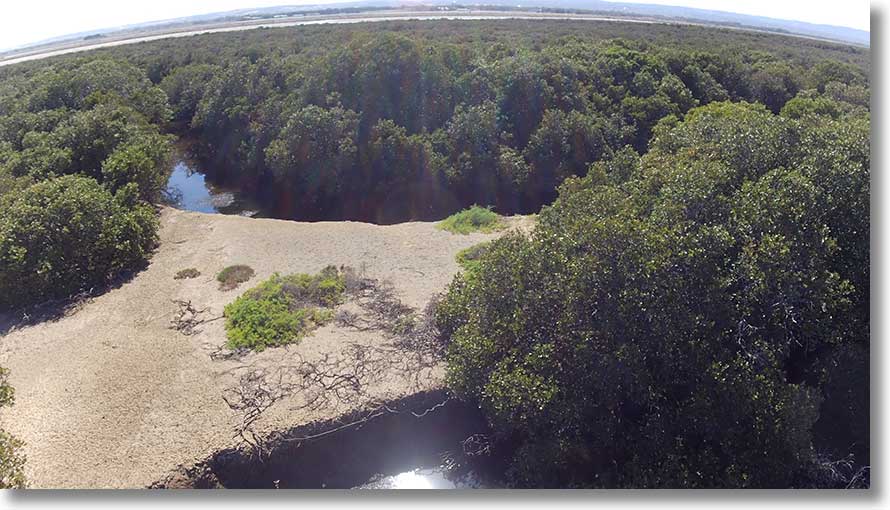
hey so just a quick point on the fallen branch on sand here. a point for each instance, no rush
(188, 319)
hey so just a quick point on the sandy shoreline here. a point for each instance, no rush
(112, 397)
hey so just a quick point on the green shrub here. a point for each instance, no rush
(12, 460)
(468, 258)
(675, 329)
(143, 162)
(474, 219)
(67, 234)
(187, 273)
(283, 309)
(232, 276)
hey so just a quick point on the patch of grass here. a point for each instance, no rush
(468, 258)
(232, 276)
(187, 273)
(474, 219)
(283, 309)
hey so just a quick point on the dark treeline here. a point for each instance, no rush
(390, 126)
(415, 121)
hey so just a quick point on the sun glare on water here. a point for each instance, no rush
(411, 480)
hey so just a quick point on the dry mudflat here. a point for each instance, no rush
(111, 396)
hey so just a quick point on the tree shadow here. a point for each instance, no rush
(56, 309)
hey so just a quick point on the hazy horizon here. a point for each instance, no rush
(36, 21)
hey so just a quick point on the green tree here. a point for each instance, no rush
(564, 144)
(773, 84)
(805, 105)
(390, 151)
(68, 234)
(473, 136)
(144, 163)
(185, 87)
(523, 95)
(314, 151)
(78, 87)
(660, 325)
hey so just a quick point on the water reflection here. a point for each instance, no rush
(423, 478)
(189, 189)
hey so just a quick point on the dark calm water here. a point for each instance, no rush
(403, 450)
(189, 189)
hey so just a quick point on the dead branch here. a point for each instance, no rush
(477, 444)
(188, 319)
(222, 353)
(413, 354)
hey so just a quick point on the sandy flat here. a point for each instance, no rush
(111, 396)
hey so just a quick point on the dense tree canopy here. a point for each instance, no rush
(81, 156)
(672, 329)
(495, 113)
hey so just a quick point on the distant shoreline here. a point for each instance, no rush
(148, 34)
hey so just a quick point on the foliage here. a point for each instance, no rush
(185, 87)
(474, 219)
(109, 142)
(12, 460)
(139, 163)
(564, 145)
(682, 325)
(283, 309)
(65, 130)
(405, 120)
(232, 276)
(67, 234)
(313, 150)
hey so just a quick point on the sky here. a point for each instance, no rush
(28, 21)
(844, 13)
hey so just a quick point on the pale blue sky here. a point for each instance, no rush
(844, 13)
(26, 21)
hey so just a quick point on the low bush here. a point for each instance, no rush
(232, 276)
(283, 309)
(474, 219)
(12, 460)
(187, 273)
(67, 234)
